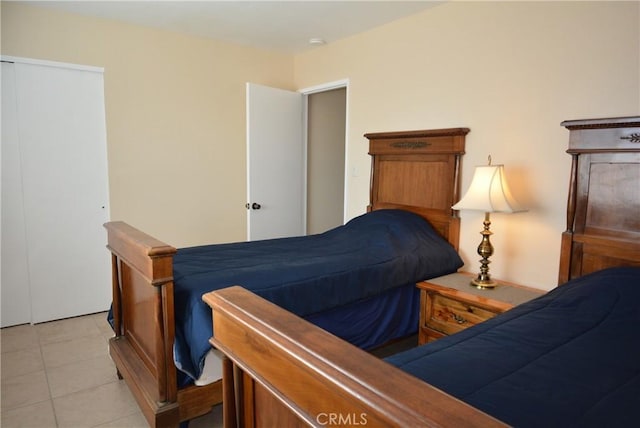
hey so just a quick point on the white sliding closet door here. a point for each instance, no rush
(63, 167)
(16, 307)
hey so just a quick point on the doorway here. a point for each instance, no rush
(326, 151)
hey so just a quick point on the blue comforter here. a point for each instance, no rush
(306, 275)
(568, 358)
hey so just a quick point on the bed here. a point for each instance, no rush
(351, 281)
(568, 358)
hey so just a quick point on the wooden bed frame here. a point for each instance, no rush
(280, 370)
(414, 170)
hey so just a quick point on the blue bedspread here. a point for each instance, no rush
(569, 358)
(307, 275)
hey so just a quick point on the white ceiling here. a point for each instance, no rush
(284, 26)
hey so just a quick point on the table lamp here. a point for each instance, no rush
(490, 193)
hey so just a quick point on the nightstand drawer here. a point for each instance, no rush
(451, 316)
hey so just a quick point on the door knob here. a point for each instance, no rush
(255, 206)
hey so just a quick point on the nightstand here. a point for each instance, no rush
(449, 304)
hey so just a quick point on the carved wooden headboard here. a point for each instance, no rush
(603, 209)
(419, 171)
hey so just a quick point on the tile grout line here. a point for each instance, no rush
(46, 374)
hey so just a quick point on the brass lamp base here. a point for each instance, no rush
(483, 283)
(485, 250)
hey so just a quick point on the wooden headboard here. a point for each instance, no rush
(603, 209)
(419, 171)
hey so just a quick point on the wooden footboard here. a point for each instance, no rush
(287, 372)
(143, 314)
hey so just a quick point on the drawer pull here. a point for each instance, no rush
(457, 318)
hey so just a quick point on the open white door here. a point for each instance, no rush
(275, 163)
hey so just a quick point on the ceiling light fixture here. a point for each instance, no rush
(317, 41)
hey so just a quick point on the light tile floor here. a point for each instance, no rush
(59, 374)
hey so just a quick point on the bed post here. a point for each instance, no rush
(456, 182)
(567, 236)
(116, 305)
(229, 411)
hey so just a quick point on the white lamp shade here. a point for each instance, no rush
(489, 192)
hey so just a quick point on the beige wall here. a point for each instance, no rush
(175, 109)
(510, 71)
